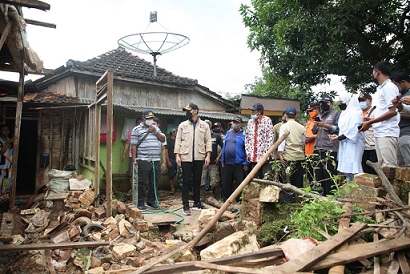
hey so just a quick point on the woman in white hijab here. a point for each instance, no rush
(351, 146)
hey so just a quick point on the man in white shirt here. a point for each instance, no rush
(386, 121)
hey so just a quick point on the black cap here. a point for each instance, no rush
(217, 124)
(326, 98)
(363, 96)
(312, 106)
(257, 106)
(147, 114)
(237, 119)
(190, 106)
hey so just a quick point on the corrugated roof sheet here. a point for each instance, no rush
(179, 112)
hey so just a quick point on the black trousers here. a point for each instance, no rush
(146, 172)
(232, 176)
(370, 155)
(194, 170)
(296, 172)
(262, 171)
(326, 168)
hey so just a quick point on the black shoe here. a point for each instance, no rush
(153, 205)
(186, 210)
(198, 207)
(142, 207)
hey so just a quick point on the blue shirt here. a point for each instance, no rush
(239, 142)
(150, 148)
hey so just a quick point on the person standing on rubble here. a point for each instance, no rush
(5, 159)
(146, 143)
(127, 149)
(193, 147)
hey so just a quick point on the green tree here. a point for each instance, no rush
(307, 40)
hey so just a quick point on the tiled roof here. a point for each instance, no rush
(178, 112)
(129, 66)
(52, 98)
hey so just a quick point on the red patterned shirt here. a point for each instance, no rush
(259, 138)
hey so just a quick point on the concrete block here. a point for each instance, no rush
(240, 242)
(365, 196)
(251, 191)
(269, 194)
(366, 179)
(390, 172)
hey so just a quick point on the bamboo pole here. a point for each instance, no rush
(223, 208)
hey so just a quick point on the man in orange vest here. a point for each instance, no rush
(313, 112)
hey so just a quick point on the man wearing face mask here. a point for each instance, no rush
(146, 143)
(402, 80)
(313, 112)
(365, 103)
(386, 121)
(234, 163)
(326, 149)
(193, 147)
(259, 138)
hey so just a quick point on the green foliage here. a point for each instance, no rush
(304, 41)
(314, 214)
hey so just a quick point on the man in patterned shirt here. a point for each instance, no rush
(259, 138)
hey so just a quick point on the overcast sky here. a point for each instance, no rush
(217, 54)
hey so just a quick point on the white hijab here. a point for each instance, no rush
(351, 118)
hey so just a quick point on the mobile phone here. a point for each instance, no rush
(398, 97)
(317, 119)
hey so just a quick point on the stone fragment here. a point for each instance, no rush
(390, 172)
(140, 245)
(133, 212)
(205, 217)
(366, 196)
(123, 251)
(133, 261)
(121, 208)
(99, 213)
(95, 262)
(141, 225)
(240, 242)
(269, 194)
(403, 173)
(122, 226)
(366, 179)
(148, 253)
(251, 191)
(96, 270)
(252, 210)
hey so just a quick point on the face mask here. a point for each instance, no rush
(283, 120)
(148, 122)
(235, 127)
(217, 130)
(189, 115)
(362, 105)
(343, 106)
(254, 116)
(312, 114)
(324, 107)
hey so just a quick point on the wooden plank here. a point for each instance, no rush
(28, 3)
(4, 34)
(7, 225)
(9, 248)
(228, 268)
(16, 143)
(404, 265)
(39, 23)
(308, 258)
(376, 259)
(361, 251)
(394, 267)
(190, 266)
(108, 175)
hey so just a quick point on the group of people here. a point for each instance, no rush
(375, 128)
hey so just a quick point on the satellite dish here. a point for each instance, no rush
(153, 43)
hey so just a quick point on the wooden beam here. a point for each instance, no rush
(362, 251)
(304, 261)
(4, 34)
(48, 246)
(35, 4)
(16, 143)
(231, 260)
(39, 23)
(108, 175)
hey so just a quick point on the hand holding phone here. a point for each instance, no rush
(317, 119)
